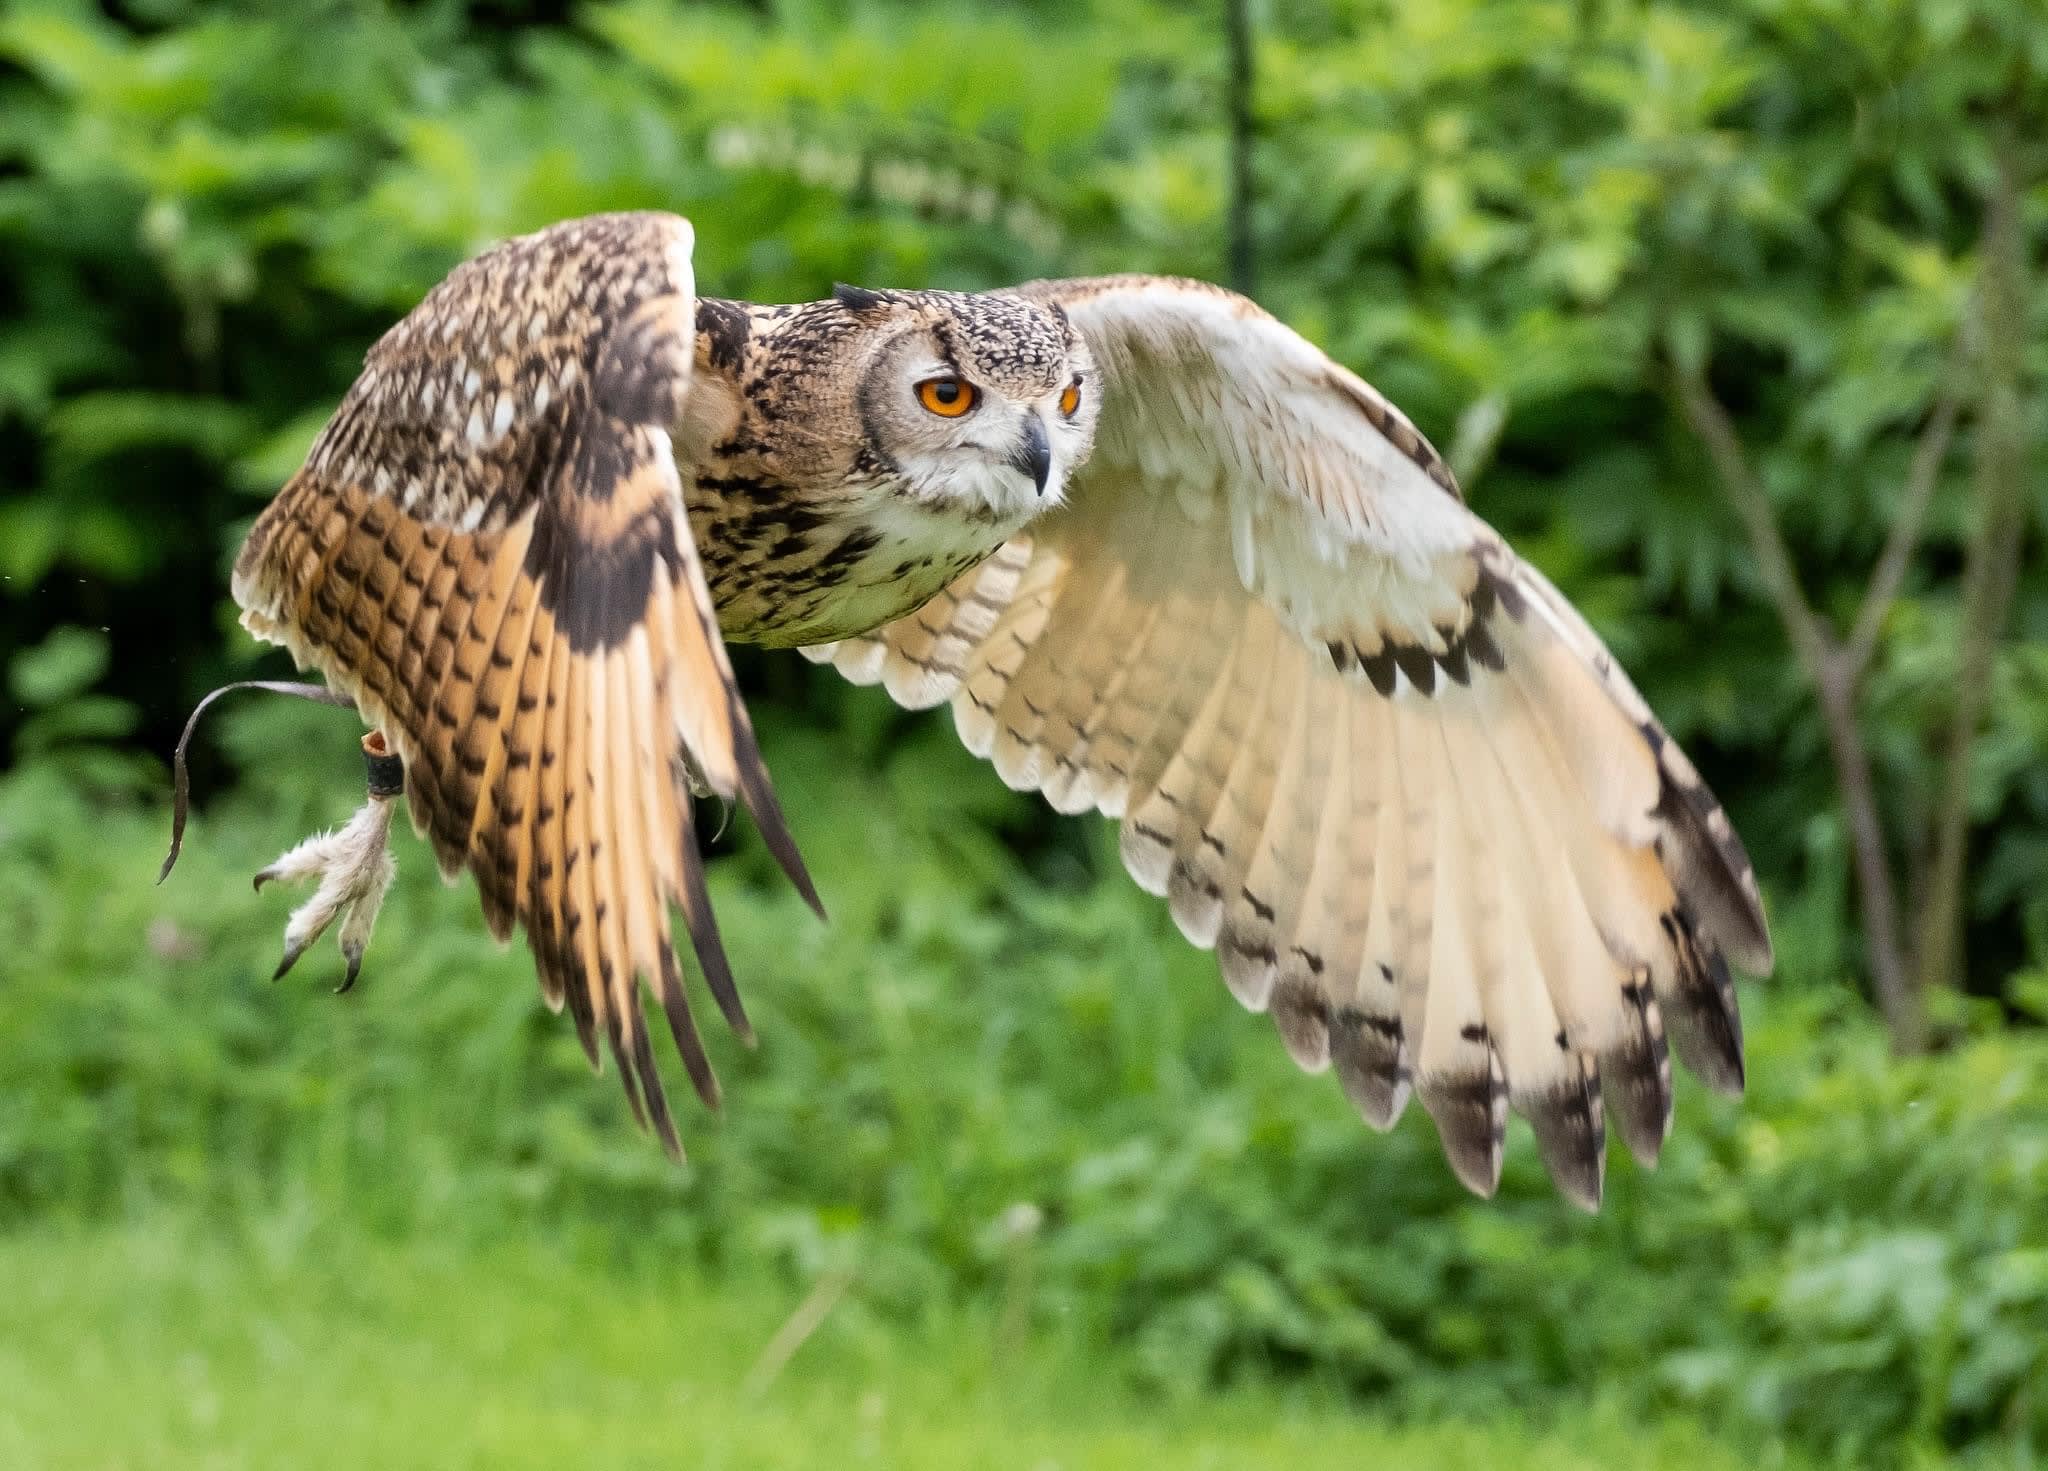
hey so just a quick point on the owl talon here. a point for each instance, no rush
(354, 868)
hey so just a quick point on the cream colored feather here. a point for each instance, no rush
(1359, 747)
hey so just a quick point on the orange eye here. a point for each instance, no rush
(1070, 399)
(949, 398)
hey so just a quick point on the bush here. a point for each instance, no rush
(987, 1082)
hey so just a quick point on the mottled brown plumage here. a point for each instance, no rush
(1166, 560)
(487, 548)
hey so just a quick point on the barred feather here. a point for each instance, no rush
(487, 549)
(1357, 745)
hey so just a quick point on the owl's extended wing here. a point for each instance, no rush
(1360, 746)
(487, 550)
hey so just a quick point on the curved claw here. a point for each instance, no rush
(291, 958)
(355, 968)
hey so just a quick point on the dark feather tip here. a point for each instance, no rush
(1712, 1049)
(702, 922)
(1569, 1138)
(758, 793)
(1371, 1064)
(1639, 1105)
(1470, 1113)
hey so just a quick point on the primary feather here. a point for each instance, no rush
(487, 548)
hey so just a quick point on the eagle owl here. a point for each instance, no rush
(1164, 558)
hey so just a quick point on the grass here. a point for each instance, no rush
(449, 1247)
(163, 1346)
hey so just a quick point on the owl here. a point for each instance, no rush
(1164, 559)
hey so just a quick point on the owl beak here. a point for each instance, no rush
(1034, 455)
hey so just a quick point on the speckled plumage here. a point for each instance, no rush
(486, 548)
(810, 527)
(1167, 561)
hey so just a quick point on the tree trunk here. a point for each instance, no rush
(1991, 567)
(1238, 37)
(1902, 1002)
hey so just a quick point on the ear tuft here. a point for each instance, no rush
(859, 300)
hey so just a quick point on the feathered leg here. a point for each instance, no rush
(354, 867)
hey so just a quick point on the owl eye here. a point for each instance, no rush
(949, 398)
(1070, 399)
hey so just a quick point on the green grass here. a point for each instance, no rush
(159, 1347)
(1850, 1263)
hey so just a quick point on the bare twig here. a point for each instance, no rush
(1811, 640)
(1834, 678)
(181, 783)
(1902, 1002)
(796, 1331)
(1477, 437)
(1904, 540)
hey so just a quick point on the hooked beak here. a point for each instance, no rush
(1034, 454)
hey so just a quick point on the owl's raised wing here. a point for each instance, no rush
(487, 550)
(1362, 748)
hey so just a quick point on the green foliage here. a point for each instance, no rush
(1511, 215)
(999, 1076)
(988, 1086)
(65, 723)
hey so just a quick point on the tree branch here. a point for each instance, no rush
(1476, 437)
(1929, 454)
(1834, 682)
(1745, 493)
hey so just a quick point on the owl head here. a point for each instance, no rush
(986, 399)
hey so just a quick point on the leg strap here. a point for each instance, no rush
(384, 766)
(181, 782)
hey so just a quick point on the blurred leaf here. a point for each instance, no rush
(63, 665)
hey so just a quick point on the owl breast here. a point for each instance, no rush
(786, 569)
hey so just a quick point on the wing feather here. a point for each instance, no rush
(499, 840)
(1372, 931)
(1262, 898)
(1294, 886)
(1022, 740)
(1089, 773)
(1002, 653)
(487, 548)
(1169, 783)
(1359, 746)
(1212, 868)
(1458, 1073)
(1046, 706)
(925, 656)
